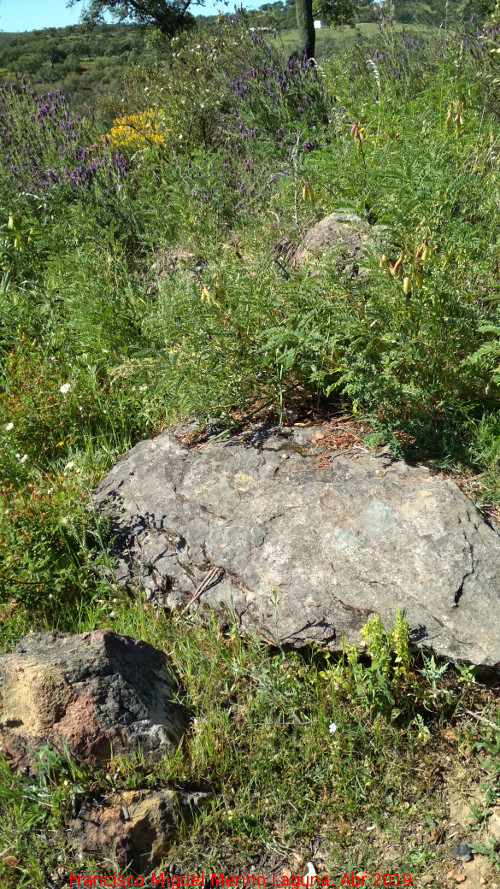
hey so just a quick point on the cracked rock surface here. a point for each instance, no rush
(304, 552)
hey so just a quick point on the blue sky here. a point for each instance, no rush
(29, 15)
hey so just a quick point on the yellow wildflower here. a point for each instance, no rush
(138, 132)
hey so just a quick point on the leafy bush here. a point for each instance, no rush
(137, 132)
(228, 86)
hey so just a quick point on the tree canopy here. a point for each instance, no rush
(169, 16)
(335, 12)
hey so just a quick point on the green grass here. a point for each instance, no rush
(334, 41)
(105, 340)
(261, 746)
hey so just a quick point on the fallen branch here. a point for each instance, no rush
(210, 579)
(481, 718)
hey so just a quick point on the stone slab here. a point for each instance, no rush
(308, 551)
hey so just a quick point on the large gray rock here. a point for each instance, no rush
(308, 551)
(96, 692)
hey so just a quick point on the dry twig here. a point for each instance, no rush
(210, 579)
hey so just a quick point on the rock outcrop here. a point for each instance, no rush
(93, 693)
(135, 828)
(347, 237)
(304, 552)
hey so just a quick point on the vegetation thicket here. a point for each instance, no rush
(144, 278)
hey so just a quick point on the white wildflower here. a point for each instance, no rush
(64, 388)
(70, 465)
(332, 728)
(9, 426)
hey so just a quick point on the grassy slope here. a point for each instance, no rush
(103, 344)
(334, 40)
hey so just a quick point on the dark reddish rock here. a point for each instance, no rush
(136, 828)
(95, 692)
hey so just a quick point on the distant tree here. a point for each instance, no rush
(55, 54)
(30, 64)
(286, 15)
(71, 85)
(366, 11)
(290, 15)
(421, 12)
(168, 16)
(10, 55)
(336, 12)
(305, 25)
(71, 65)
(480, 9)
(99, 47)
(265, 17)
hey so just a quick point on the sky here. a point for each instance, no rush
(30, 15)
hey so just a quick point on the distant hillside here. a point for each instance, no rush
(83, 62)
